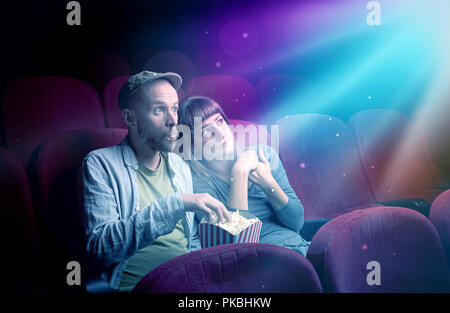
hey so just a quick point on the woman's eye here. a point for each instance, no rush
(174, 109)
(220, 121)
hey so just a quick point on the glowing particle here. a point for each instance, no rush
(218, 64)
(302, 165)
(364, 247)
(344, 174)
(260, 67)
(245, 35)
(206, 32)
(273, 190)
(369, 97)
(329, 118)
(236, 100)
(232, 179)
(337, 134)
(372, 166)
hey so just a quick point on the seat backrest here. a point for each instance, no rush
(19, 235)
(394, 155)
(323, 166)
(110, 95)
(235, 95)
(58, 165)
(380, 249)
(440, 217)
(49, 105)
(257, 268)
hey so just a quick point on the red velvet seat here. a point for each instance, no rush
(323, 165)
(37, 107)
(235, 268)
(403, 243)
(20, 240)
(58, 180)
(110, 93)
(440, 217)
(395, 156)
(236, 96)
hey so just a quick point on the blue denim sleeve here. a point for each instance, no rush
(111, 237)
(292, 214)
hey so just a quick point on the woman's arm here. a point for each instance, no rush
(271, 177)
(238, 197)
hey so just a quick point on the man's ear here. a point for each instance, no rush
(129, 117)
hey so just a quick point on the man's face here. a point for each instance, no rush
(156, 111)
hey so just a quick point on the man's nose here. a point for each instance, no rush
(172, 119)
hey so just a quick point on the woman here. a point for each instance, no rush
(254, 180)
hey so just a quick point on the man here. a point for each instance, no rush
(138, 199)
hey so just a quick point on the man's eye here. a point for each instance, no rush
(157, 110)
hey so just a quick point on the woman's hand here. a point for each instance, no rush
(262, 175)
(247, 162)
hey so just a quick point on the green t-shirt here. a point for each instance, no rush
(154, 185)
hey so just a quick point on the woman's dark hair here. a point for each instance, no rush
(203, 107)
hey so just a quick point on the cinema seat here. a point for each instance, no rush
(236, 95)
(395, 156)
(323, 166)
(233, 268)
(58, 180)
(100, 66)
(19, 235)
(49, 105)
(440, 217)
(110, 93)
(381, 249)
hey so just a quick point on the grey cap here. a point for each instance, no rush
(135, 82)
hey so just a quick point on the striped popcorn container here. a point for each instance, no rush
(212, 235)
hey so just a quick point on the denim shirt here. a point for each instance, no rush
(115, 227)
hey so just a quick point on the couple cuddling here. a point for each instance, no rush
(142, 202)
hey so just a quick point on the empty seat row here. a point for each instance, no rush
(333, 173)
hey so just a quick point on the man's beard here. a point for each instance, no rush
(155, 144)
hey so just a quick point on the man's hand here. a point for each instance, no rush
(262, 175)
(205, 203)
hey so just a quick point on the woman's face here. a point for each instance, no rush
(216, 128)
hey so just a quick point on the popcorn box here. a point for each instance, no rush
(214, 235)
